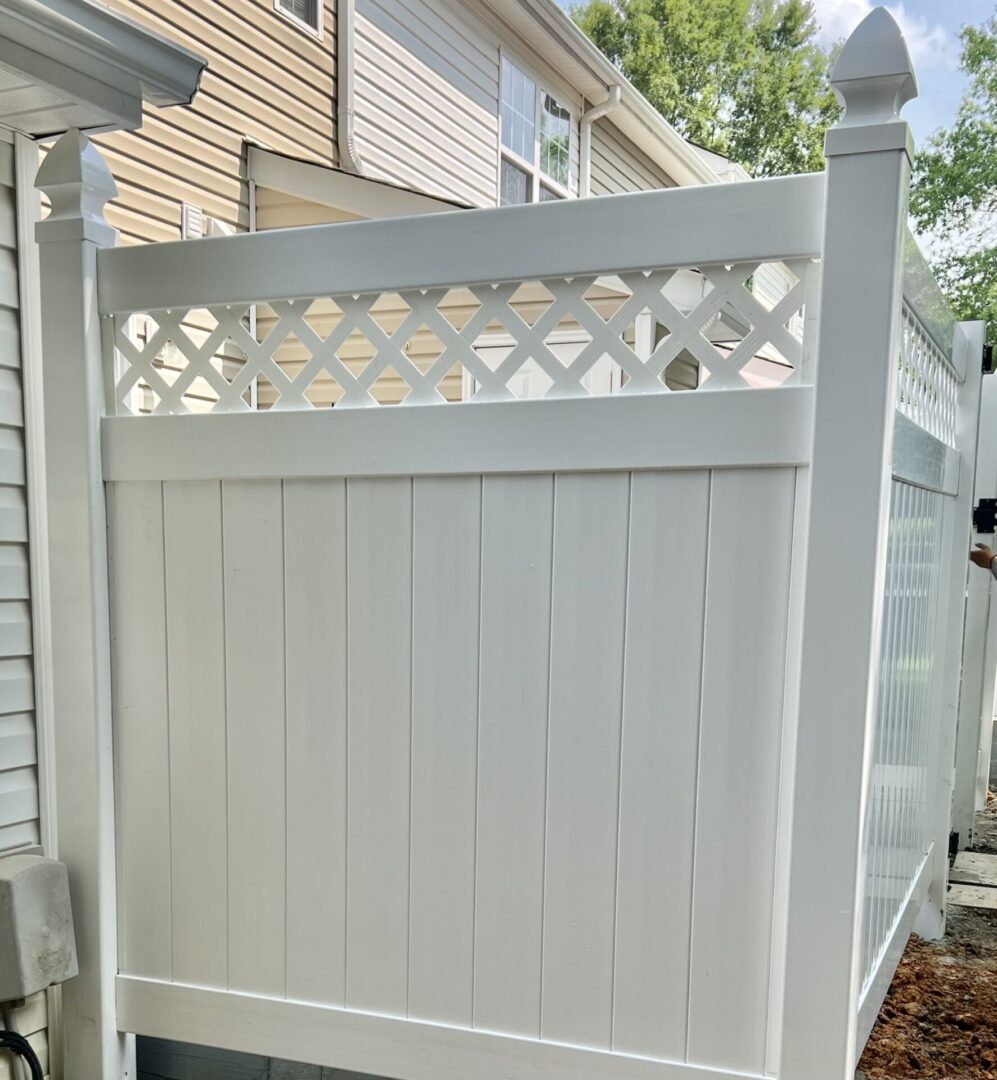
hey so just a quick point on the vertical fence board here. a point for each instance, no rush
(744, 662)
(661, 693)
(587, 625)
(379, 599)
(141, 726)
(516, 531)
(446, 556)
(252, 525)
(195, 623)
(315, 600)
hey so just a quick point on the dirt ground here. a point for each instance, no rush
(939, 1020)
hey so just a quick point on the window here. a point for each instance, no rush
(536, 132)
(306, 12)
(555, 136)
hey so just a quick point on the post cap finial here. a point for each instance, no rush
(874, 77)
(78, 184)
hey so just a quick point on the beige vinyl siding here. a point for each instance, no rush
(268, 80)
(427, 99)
(18, 747)
(618, 165)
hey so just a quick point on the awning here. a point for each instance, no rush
(356, 196)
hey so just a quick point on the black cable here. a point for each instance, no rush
(18, 1044)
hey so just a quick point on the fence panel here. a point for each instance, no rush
(905, 833)
(490, 677)
(512, 738)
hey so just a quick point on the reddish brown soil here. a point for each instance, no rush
(939, 1020)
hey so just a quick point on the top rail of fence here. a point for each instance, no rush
(763, 220)
(927, 302)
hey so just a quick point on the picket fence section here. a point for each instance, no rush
(560, 721)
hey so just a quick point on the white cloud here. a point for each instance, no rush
(930, 44)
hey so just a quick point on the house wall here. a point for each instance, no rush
(18, 754)
(619, 166)
(427, 98)
(426, 108)
(19, 782)
(267, 80)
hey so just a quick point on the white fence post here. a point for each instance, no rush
(868, 164)
(977, 693)
(78, 184)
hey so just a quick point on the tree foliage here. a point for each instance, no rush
(954, 189)
(745, 78)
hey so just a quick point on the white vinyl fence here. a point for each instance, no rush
(925, 587)
(600, 733)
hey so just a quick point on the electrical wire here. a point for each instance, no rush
(18, 1044)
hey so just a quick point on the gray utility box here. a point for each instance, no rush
(37, 945)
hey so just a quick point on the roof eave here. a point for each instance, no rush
(107, 47)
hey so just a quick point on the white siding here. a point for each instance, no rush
(18, 750)
(19, 801)
(427, 98)
(618, 165)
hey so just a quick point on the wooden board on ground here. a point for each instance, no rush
(978, 896)
(974, 868)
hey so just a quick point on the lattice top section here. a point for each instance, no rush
(928, 386)
(720, 327)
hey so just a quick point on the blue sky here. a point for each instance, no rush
(932, 31)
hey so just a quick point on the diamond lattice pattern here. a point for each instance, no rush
(718, 327)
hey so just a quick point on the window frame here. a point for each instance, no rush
(536, 177)
(314, 30)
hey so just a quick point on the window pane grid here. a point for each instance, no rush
(532, 149)
(305, 10)
(555, 133)
(518, 111)
(515, 185)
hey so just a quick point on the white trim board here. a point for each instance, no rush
(757, 221)
(698, 429)
(363, 1042)
(340, 190)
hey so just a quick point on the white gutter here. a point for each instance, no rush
(588, 119)
(349, 154)
(94, 39)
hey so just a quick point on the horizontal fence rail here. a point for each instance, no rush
(722, 225)
(502, 319)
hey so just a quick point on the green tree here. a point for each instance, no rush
(954, 189)
(745, 78)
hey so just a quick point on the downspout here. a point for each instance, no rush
(349, 155)
(588, 119)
